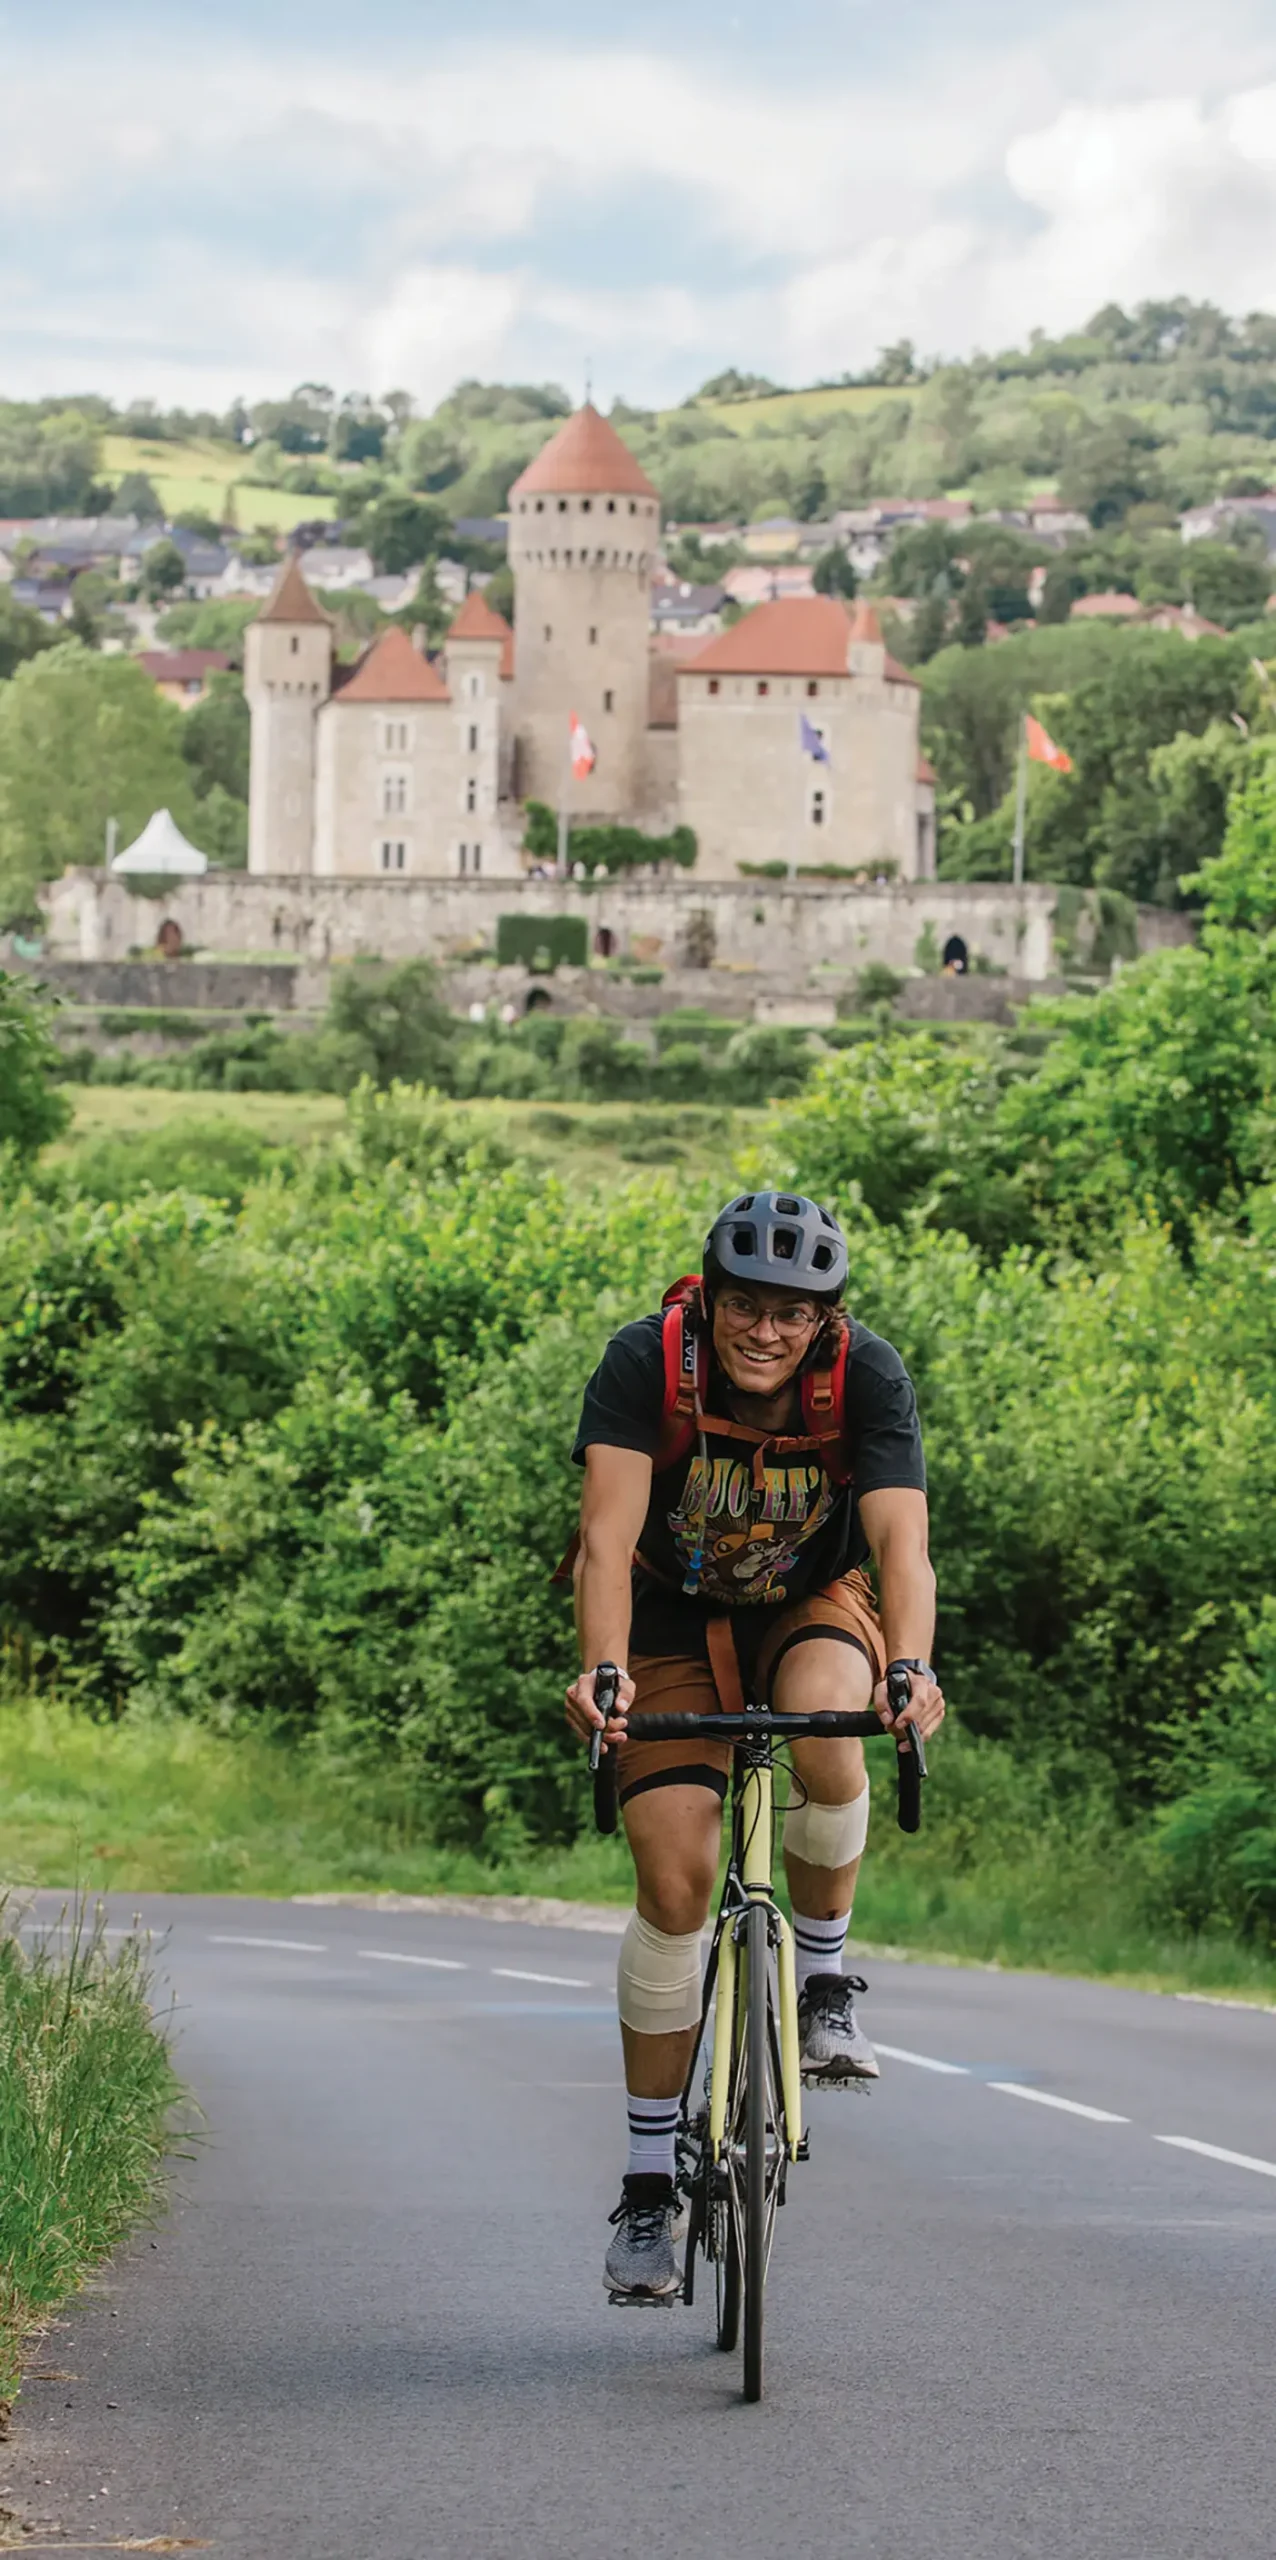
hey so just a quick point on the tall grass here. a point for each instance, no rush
(86, 2086)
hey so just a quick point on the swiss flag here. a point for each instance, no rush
(1041, 746)
(583, 757)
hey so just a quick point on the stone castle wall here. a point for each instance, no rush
(788, 929)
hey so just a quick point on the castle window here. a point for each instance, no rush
(394, 737)
(473, 737)
(394, 794)
(540, 506)
(611, 506)
(713, 684)
(609, 702)
(549, 631)
(471, 795)
(633, 506)
(393, 854)
(473, 688)
(812, 688)
(585, 505)
(562, 506)
(763, 686)
(294, 644)
(818, 807)
(469, 858)
(593, 635)
(476, 858)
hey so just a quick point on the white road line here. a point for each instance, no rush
(1067, 2106)
(437, 1964)
(291, 1946)
(1215, 2151)
(561, 1981)
(923, 2061)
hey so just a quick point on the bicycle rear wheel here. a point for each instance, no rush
(754, 2232)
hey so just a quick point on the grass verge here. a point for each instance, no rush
(86, 2086)
(1001, 1874)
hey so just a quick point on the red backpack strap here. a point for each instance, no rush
(686, 1370)
(824, 1407)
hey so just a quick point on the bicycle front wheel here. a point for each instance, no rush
(754, 2233)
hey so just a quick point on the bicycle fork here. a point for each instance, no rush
(755, 1829)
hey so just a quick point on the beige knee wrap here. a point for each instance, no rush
(827, 1835)
(658, 1979)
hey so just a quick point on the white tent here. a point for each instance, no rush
(161, 851)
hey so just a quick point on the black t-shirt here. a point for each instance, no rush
(763, 1544)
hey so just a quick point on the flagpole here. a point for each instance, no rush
(1021, 802)
(563, 789)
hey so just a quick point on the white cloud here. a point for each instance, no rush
(210, 214)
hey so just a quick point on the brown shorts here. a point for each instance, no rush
(680, 1684)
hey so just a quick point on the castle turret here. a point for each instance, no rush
(287, 676)
(584, 529)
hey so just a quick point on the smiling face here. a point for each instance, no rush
(762, 1335)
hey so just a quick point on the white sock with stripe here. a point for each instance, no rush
(818, 1945)
(653, 2123)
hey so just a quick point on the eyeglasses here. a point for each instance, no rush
(745, 1312)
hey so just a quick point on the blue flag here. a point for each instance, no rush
(812, 742)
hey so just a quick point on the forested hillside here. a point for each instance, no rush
(1163, 406)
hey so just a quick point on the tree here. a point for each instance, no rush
(163, 571)
(136, 496)
(1109, 468)
(834, 574)
(92, 594)
(401, 531)
(83, 738)
(47, 460)
(1226, 585)
(215, 737)
(972, 615)
(33, 1109)
(219, 623)
(23, 632)
(394, 1023)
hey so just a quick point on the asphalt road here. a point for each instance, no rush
(1009, 2314)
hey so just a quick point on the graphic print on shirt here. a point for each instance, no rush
(752, 1533)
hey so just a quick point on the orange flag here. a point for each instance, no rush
(1041, 746)
(582, 752)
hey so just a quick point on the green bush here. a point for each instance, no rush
(543, 943)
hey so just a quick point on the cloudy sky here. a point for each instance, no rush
(195, 203)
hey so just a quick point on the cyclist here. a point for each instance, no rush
(744, 1553)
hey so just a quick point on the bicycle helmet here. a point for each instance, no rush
(779, 1237)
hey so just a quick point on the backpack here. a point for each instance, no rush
(685, 1339)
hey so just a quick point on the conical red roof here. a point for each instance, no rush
(478, 620)
(585, 459)
(394, 671)
(290, 599)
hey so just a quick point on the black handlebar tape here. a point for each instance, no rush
(910, 1763)
(606, 1692)
(603, 1763)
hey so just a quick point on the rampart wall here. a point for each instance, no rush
(789, 928)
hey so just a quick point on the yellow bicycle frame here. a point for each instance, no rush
(756, 1810)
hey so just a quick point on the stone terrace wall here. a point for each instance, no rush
(786, 927)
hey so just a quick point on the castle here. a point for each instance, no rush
(791, 738)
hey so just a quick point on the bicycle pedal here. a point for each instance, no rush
(804, 2147)
(646, 2301)
(851, 2080)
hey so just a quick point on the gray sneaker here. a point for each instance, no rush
(835, 2049)
(640, 2262)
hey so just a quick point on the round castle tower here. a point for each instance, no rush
(287, 675)
(584, 529)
